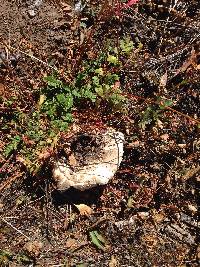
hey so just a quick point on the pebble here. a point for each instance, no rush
(31, 13)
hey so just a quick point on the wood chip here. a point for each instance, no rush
(190, 173)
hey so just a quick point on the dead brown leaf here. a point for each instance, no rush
(159, 217)
(44, 154)
(66, 7)
(190, 61)
(2, 89)
(190, 173)
(151, 241)
(72, 160)
(71, 243)
(164, 137)
(33, 247)
(84, 209)
(113, 262)
(192, 208)
(163, 81)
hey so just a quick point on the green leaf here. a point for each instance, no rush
(112, 59)
(66, 88)
(68, 117)
(95, 80)
(61, 99)
(126, 46)
(87, 93)
(12, 145)
(111, 78)
(99, 71)
(99, 90)
(60, 125)
(5, 257)
(118, 100)
(140, 46)
(166, 103)
(75, 93)
(80, 78)
(66, 101)
(100, 237)
(52, 81)
(97, 240)
(22, 258)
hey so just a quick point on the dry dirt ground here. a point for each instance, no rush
(148, 215)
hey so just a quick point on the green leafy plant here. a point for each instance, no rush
(58, 100)
(13, 144)
(24, 259)
(126, 45)
(98, 240)
(163, 103)
(5, 258)
(154, 112)
(149, 116)
(82, 265)
(113, 59)
(97, 82)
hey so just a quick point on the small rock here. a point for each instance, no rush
(31, 13)
(126, 223)
(79, 6)
(192, 208)
(164, 137)
(37, 3)
(1, 206)
(143, 215)
(181, 145)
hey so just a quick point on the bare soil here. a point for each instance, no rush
(149, 213)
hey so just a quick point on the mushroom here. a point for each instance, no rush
(93, 160)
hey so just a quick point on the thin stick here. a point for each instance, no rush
(184, 115)
(101, 220)
(9, 47)
(5, 163)
(9, 181)
(19, 231)
(133, 97)
(39, 60)
(91, 32)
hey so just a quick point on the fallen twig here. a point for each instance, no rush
(133, 97)
(9, 181)
(101, 220)
(39, 60)
(19, 231)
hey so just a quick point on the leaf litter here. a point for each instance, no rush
(148, 213)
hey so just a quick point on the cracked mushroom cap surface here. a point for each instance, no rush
(91, 160)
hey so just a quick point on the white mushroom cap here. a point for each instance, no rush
(98, 170)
